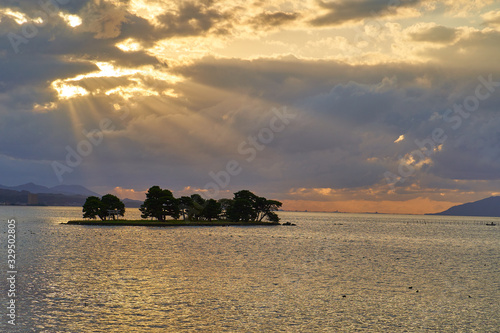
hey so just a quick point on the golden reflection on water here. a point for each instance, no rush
(333, 272)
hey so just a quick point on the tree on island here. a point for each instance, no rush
(212, 210)
(265, 208)
(195, 211)
(242, 207)
(185, 204)
(91, 207)
(195, 208)
(94, 207)
(247, 206)
(111, 207)
(159, 204)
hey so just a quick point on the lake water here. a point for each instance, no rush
(330, 273)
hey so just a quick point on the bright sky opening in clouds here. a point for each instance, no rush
(393, 106)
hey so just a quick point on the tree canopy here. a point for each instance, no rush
(160, 204)
(212, 210)
(111, 203)
(247, 206)
(107, 206)
(91, 207)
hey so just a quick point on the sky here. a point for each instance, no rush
(388, 106)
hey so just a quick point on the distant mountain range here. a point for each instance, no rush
(131, 203)
(60, 189)
(61, 195)
(485, 207)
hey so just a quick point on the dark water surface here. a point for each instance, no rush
(330, 273)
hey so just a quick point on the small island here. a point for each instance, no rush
(172, 223)
(162, 209)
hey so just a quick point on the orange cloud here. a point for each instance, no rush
(126, 193)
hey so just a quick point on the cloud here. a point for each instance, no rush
(34, 7)
(191, 19)
(349, 120)
(54, 38)
(469, 155)
(339, 12)
(273, 19)
(464, 8)
(27, 70)
(104, 20)
(492, 18)
(477, 49)
(436, 34)
(127, 193)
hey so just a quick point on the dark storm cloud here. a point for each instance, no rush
(438, 34)
(38, 137)
(472, 147)
(343, 136)
(347, 10)
(291, 79)
(141, 30)
(27, 70)
(351, 116)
